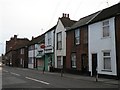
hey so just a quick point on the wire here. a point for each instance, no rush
(54, 13)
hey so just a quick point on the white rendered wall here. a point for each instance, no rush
(52, 42)
(97, 44)
(60, 28)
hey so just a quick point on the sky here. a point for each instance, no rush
(27, 18)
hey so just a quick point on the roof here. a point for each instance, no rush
(100, 15)
(67, 22)
(107, 13)
(38, 39)
(84, 21)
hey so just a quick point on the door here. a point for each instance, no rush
(64, 63)
(84, 63)
(94, 64)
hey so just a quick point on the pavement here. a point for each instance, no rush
(87, 78)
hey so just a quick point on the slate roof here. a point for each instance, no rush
(67, 22)
(107, 13)
(100, 15)
(54, 27)
(38, 39)
(84, 21)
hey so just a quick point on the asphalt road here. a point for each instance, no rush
(25, 78)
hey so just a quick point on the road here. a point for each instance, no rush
(26, 78)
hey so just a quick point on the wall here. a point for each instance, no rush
(117, 19)
(60, 28)
(79, 49)
(97, 44)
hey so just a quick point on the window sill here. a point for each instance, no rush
(105, 37)
(107, 70)
(49, 45)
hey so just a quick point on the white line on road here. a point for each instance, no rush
(15, 74)
(5, 71)
(37, 80)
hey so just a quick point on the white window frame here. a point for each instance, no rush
(77, 36)
(21, 51)
(59, 41)
(105, 57)
(73, 60)
(105, 29)
(21, 61)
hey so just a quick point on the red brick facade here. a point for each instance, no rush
(81, 50)
(117, 25)
(13, 47)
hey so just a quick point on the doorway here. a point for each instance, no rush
(94, 64)
(84, 63)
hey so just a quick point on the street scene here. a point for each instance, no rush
(26, 78)
(59, 44)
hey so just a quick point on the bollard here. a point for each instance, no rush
(43, 70)
(97, 78)
(61, 72)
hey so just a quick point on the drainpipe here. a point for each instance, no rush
(54, 48)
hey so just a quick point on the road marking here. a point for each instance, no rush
(37, 80)
(5, 71)
(15, 74)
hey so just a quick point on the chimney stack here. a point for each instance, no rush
(68, 15)
(32, 37)
(65, 15)
(15, 36)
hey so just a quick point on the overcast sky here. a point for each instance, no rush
(27, 18)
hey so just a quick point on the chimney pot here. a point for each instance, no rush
(32, 37)
(68, 16)
(15, 36)
(63, 15)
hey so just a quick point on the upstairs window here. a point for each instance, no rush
(77, 36)
(21, 51)
(49, 38)
(106, 29)
(59, 41)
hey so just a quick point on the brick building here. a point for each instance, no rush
(13, 47)
(77, 46)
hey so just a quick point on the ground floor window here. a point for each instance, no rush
(59, 61)
(21, 61)
(31, 60)
(107, 60)
(73, 60)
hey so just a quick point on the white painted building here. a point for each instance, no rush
(34, 50)
(32, 53)
(49, 41)
(102, 47)
(60, 40)
(49, 48)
